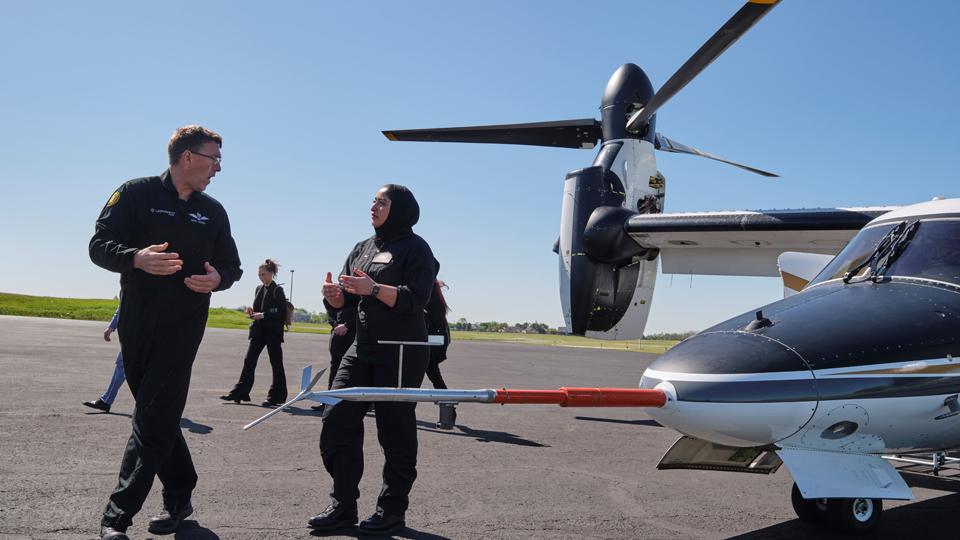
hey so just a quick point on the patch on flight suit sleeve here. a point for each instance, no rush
(113, 199)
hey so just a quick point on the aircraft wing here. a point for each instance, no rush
(745, 243)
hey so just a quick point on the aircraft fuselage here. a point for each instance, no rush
(862, 367)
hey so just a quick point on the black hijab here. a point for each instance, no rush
(404, 214)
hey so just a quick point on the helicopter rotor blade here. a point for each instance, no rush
(664, 144)
(729, 33)
(579, 133)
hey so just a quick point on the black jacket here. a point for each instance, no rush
(436, 317)
(339, 345)
(406, 263)
(272, 302)
(147, 211)
(347, 315)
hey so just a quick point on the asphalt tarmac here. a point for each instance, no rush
(530, 471)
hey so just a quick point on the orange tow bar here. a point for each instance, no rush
(585, 397)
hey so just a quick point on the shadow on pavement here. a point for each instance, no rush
(464, 431)
(296, 411)
(933, 518)
(926, 481)
(191, 530)
(651, 423)
(479, 434)
(193, 427)
(353, 532)
(105, 413)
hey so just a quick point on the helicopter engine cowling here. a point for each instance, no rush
(600, 266)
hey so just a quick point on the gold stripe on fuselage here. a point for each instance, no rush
(909, 370)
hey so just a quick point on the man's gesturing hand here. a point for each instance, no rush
(203, 283)
(153, 260)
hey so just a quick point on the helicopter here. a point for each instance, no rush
(852, 370)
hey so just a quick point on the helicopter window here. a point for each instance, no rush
(932, 253)
(856, 252)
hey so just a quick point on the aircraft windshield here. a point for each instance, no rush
(932, 253)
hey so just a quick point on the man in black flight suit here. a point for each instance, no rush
(172, 246)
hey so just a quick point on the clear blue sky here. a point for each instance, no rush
(853, 103)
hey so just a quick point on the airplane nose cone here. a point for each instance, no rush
(737, 388)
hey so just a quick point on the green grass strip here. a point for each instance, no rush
(95, 309)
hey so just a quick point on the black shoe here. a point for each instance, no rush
(168, 521)
(271, 404)
(109, 533)
(383, 523)
(99, 405)
(235, 398)
(319, 407)
(335, 516)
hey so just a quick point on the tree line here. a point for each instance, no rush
(301, 315)
(495, 326)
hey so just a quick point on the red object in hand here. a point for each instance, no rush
(329, 277)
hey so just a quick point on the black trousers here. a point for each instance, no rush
(158, 358)
(339, 345)
(433, 373)
(341, 438)
(278, 388)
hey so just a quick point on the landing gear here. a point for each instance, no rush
(857, 516)
(809, 510)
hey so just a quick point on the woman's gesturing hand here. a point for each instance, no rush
(359, 283)
(332, 292)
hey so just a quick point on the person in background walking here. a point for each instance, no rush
(436, 316)
(266, 330)
(106, 399)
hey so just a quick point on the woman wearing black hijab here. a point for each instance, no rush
(388, 277)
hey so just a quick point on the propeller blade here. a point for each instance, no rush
(729, 33)
(580, 133)
(668, 145)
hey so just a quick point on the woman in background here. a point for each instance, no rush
(266, 330)
(436, 315)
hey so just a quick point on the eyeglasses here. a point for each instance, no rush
(216, 159)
